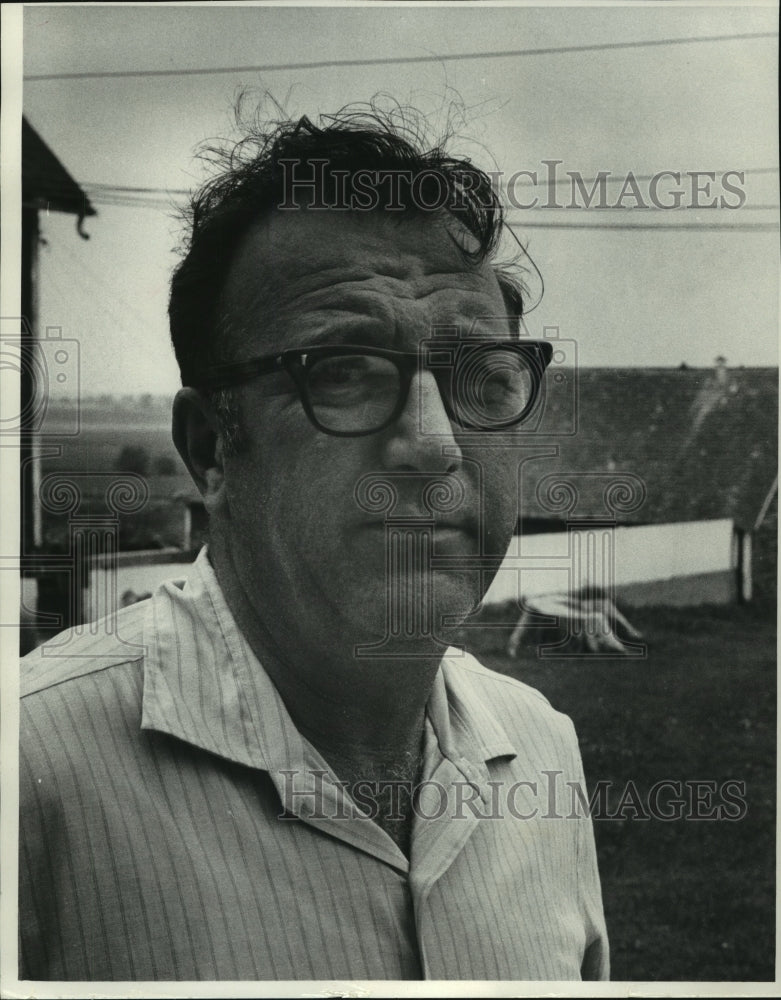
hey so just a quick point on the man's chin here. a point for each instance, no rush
(414, 615)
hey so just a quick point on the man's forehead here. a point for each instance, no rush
(295, 257)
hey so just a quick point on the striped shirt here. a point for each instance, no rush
(176, 825)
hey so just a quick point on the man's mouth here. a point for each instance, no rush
(444, 534)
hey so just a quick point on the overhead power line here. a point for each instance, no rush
(96, 188)
(518, 213)
(398, 60)
(514, 223)
(758, 227)
(512, 214)
(616, 177)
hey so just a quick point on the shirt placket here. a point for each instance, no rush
(449, 807)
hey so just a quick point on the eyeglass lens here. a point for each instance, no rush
(484, 386)
(353, 392)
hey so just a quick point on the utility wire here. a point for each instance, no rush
(761, 227)
(107, 198)
(511, 214)
(109, 195)
(615, 178)
(95, 188)
(514, 213)
(517, 212)
(514, 223)
(399, 60)
(517, 216)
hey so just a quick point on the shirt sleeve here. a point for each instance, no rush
(37, 854)
(596, 959)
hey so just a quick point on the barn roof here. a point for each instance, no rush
(45, 178)
(704, 441)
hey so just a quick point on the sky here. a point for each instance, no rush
(618, 295)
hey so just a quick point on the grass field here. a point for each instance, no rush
(685, 899)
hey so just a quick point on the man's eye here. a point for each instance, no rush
(497, 367)
(342, 370)
(491, 385)
(349, 376)
(334, 372)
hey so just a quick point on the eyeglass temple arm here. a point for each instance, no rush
(223, 376)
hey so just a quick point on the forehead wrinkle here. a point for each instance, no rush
(447, 303)
(412, 271)
(257, 297)
(375, 295)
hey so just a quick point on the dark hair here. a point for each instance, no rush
(254, 178)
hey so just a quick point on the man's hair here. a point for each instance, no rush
(263, 171)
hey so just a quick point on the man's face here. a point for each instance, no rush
(310, 558)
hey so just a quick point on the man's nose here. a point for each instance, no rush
(422, 438)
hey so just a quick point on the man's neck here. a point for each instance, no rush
(357, 713)
(386, 788)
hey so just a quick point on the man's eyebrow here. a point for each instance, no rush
(361, 330)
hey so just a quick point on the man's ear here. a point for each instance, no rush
(198, 440)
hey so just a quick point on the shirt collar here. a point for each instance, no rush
(204, 685)
(468, 732)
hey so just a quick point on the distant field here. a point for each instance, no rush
(104, 431)
(684, 899)
(97, 447)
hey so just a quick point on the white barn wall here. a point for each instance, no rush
(542, 564)
(535, 564)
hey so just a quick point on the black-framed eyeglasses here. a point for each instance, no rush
(351, 390)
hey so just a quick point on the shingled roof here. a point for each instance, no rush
(45, 179)
(703, 441)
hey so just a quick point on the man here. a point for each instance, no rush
(276, 769)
